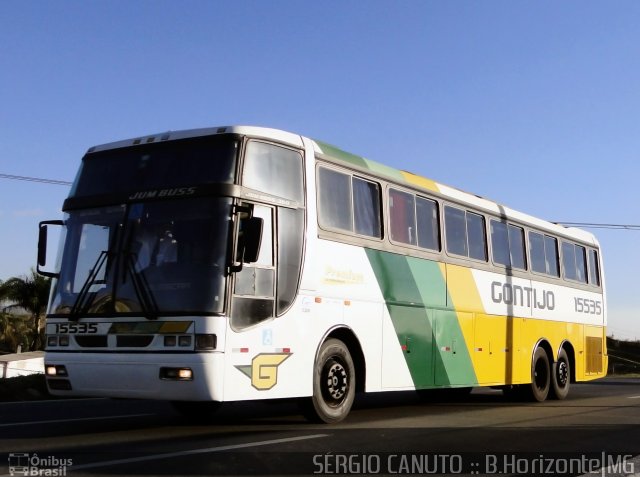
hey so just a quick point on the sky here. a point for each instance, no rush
(534, 104)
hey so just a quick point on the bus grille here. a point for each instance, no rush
(594, 354)
(133, 341)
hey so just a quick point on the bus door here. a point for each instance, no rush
(254, 285)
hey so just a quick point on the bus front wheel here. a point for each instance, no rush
(333, 384)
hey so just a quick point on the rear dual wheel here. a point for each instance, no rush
(546, 380)
(561, 376)
(540, 376)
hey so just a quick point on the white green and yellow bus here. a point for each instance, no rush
(241, 263)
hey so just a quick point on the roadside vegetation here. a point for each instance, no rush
(24, 388)
(624, 357)
(23, 302)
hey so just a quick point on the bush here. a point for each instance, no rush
(24, 388)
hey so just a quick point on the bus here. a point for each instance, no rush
(246, 263)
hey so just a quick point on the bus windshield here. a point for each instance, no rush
(150, 259)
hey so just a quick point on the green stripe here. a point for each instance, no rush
(415, 294)
(352, 159)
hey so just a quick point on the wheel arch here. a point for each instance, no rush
(546, 346)
(349, 338)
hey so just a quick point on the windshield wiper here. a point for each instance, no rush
(141, 288)
(79, 306)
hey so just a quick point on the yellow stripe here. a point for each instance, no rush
(501, 347)
(420, 181)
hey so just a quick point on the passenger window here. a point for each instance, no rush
(543, 251)
(516, 247)
(402, 212)
(551, 256)
(465, 233)
(574, 262)
(500, 243)
(476, 236)
(594, 268)
(456, 231)
(337, 210)
(335, 199)
(366, 208)
(428, 223)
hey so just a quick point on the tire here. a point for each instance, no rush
(540, 376)
(334, 385)
(561, 376)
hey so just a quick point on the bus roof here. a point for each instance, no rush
(338, 155)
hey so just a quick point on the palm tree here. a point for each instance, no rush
(30, 293)
(14, 331)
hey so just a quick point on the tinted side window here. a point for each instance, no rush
(366, 208)
(500, 243)
(516, 247)
(428, 223)
(349, 203)
(290, 241)
(335, 199)
(465, 233)
(543, 251)
(536, 253)
(402, 212)
(273, 169)
(574, 262)
(569, 261)
(594, 268)
(581, 263)
(476, 236)
(551, 256)
(455, 231)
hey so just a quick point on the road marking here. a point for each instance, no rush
(633, 397)
(53, 421)
(169, 455)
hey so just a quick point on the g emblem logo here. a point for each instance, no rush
(263, 370)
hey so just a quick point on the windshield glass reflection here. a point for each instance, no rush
(150, 258)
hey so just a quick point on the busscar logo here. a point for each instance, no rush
(263, 370)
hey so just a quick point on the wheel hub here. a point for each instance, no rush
(563, 373)
(337, 382)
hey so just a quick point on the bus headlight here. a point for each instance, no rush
(55, 370)
(176, 374)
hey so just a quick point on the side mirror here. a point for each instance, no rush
(249, 241)
(42, 247)
(252, 237)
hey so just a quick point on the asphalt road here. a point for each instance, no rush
(397, 433)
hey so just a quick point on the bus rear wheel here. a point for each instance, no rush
(540, 376)
(334, 385)
(561, 376)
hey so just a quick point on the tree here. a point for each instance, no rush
(31, 293)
